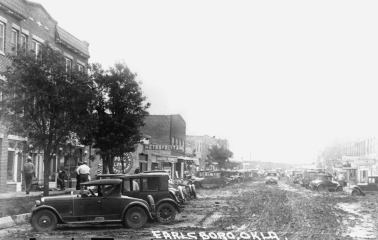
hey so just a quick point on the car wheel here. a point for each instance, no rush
(193, 192)
(165, 213)
(321, 188)
(135, 217)
(44, 221)
(356, 192)
(151, 202)
(222, 184)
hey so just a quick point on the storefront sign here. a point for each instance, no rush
(127, 163)
(163, 147)
(167, 159)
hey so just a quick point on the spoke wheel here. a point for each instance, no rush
(135, 217)
(165, 213)
(44, 221)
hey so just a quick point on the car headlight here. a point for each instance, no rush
(37, 203)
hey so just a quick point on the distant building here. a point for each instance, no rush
(199, 147)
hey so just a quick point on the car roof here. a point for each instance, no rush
(139, 175)
(111, 175)
(103, 182)
(373, 176)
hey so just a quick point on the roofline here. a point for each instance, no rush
(20, 15)
(64, 43)
(41, 6)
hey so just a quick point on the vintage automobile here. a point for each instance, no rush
(245, 174)
(363, 189)
(296, 176)
(104, 205)
(211, 179)
(154, 188)
(271, 178)
(308, 176)
(325, 182)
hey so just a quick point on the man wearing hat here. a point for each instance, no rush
(84, 172)
(29, 172)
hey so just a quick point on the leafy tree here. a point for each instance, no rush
(120, 112)
(45, 102)
(220, 155)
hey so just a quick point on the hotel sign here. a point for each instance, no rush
(163, 147)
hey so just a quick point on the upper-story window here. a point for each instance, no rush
(36, 47)
(2, 37)
(23, 42)
(68, 65)
(80, 68)
(14, 40)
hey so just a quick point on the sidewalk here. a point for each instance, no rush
(10, 221)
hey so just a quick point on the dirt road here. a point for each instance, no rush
(248, 210)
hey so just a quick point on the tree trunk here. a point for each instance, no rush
(104, 164)
(46, 171)
(111, 164)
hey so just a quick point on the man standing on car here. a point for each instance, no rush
(84, 171)
(29, 172)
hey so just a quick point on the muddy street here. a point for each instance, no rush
(246, 209)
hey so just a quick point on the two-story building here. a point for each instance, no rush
(27, 24)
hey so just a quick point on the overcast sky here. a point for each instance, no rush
(278, 79)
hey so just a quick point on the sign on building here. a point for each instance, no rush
(127, 162)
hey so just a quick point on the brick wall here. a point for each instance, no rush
(3, 160)
(158, 127)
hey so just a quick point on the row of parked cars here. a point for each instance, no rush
(131, 200)
(222, 178)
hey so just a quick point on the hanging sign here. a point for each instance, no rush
(127, 163)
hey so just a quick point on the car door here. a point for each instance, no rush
(97, 208)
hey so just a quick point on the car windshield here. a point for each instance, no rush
(321, 177)
(272, 174)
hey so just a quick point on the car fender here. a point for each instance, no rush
(37, 209)
(170, 201)
(358, 188)
(137, 204)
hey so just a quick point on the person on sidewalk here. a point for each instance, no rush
(84, 172)
(29, 173)
(78, 176)
(62, 176)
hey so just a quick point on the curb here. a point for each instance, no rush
(6, 222)
(22, 218)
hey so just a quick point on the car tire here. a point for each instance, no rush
(356, 192)
(222, 184)
(165, 213)
(135, 217)
(151, 202)
(321, 188)
(44, 221)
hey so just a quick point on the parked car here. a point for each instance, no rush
(211, 179)
(362, 189)
(163, 200)
(308, 176)
(325, 182)
(103, 205)
(271, 178)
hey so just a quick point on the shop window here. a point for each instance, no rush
(10, 168)
(154, 166)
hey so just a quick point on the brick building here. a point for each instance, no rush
(166, 147)
(199, 147)
(28, 24)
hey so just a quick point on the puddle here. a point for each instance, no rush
(359, 223)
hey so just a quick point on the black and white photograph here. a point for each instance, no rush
(172, 119)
